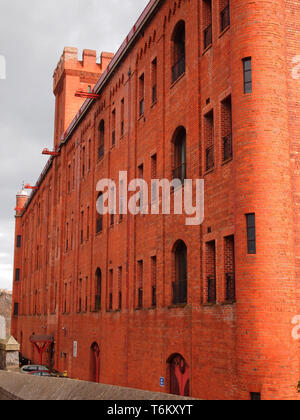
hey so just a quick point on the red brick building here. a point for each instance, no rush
(203, 90)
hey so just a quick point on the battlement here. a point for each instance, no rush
(70, 63)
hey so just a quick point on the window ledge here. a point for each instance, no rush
(177, 305)
(177, 80)
(209, 171)
(228, 303)
(209, 304)
(207, 49)
(227, 161)
(153, 104)
(224, 31)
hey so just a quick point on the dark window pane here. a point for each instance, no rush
(247, 75)
(251, 233)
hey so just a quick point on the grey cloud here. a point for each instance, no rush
(33, 34)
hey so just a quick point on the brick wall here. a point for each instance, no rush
(232, 349)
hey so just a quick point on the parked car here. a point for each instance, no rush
(29, 369)
(40, 373)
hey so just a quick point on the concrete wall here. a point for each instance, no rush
(15, 386)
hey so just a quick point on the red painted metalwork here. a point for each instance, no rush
(179, 376)
(87, 95)
(96, 351)
(41, 343)
(50, 153)
(29, 187)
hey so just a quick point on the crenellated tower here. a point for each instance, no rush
(71, 75)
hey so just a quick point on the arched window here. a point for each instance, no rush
(101, 140)
(179, 376)
(98, 290)
(180, 281)
(99, 216)
(179, 141)
(178, 47)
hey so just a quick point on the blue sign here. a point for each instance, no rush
(162, 382)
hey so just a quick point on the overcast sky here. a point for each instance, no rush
(33, 34)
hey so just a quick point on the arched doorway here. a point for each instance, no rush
(95, 363)
(179, 372)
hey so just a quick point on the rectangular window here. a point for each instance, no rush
(83, 162)
(19, 241)
(141, 95)
(113, 135)
(113, 204)
(211, 272)
(229, 268)
(140, 274)
(120, 274)
(209, 141)
(141, 176)
(122, 117)
(69, 179)
(88, 225)
(225, 14)
(153, 281)
(154, 80)
(90, 152)
(207, 22)
(226, 129)
(247, 64)
(81, 229)
(251, 233)
(153, 177)
(17, 275)
(99, 215)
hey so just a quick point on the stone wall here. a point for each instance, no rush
(15, 386)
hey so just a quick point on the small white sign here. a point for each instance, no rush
(75, 349)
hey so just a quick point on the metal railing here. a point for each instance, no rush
(178, 69)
